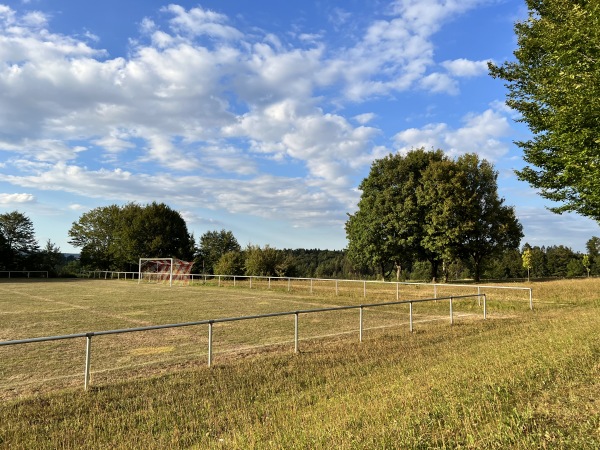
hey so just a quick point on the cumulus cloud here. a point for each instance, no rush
(481, 133)
(197, 97)
(466, 68)
(9, 199)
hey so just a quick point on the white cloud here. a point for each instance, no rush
(365, 118)
(465, 68)
(7, 199)
(480, 134)
(266, 196)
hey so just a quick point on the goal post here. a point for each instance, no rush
(164, 269)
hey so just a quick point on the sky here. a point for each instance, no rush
(258, 117)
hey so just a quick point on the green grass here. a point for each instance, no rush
(518, 380)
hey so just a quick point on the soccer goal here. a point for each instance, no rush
(162, 270)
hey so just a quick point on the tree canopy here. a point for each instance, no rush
(115, 237)
(424, 206)
(17, 240)
(213, 245)
(555, 85)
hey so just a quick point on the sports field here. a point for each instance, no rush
(39, 308)
(521, 379)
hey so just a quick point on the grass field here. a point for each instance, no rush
(520, 379)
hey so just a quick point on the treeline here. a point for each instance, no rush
(115, 237)
(20, 251)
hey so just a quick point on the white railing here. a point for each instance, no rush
(42, 273)
(293, 282)
(88, 336)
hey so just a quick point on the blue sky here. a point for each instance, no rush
(257, 117)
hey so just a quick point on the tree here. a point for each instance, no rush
(487, 227)
(18, 239)
(213, 245)
(386, 231)
(587, 264)
(555, 85)
(527, 260)
(593, 250)
(424, 206)
(261, 261)
(114, 237)
(230, 263)
(50, 258)
(96, 233)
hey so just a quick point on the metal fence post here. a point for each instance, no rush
(360, 319)
(210, 338)
(296, 332)
(484, 307)
(530, 299)
(397, 291)
(451, 316)
(88, 357)
(410, 315)
(336, 287)
(364, 289)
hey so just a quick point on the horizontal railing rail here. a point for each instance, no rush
(235, 278)
(212, 322)
(43, 273)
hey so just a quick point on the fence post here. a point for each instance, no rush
(360, 328)
(250, 282)
(296, 332)
(88, 357)
(530, 299)
(311, 285)
(289, 283)
(451, 316)
(410, 315)
(234, 281)
(364, 289)
(210, 337)
(336, 287)
(397, 291)
(484, 307)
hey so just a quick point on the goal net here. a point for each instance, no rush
(163, 270)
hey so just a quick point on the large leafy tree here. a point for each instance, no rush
(386, 231)
(554, 84)
(18, 240)
(213, 245)
(115, 237)
(424, 206)
(487, 226)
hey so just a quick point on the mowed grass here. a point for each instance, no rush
(520, 379)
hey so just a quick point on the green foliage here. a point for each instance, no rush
(114, 237)
(213, 246)
(18, 244)
(555, 85)
(424, 206)
(261, 261)
(50, 259)
(386, 231)
(230, 263)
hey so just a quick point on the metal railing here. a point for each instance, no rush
(220, 279)
(89, 335)
(43, 273)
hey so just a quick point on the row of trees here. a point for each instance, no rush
(219, 252)
(19, 249)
